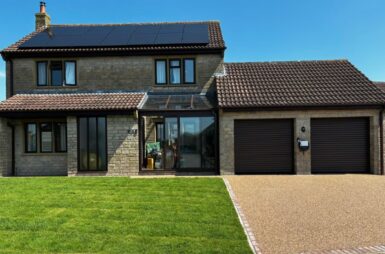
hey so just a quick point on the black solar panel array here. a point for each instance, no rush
(119, 35)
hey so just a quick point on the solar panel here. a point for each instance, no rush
(169, 38)
(119, 35)
(142, 39)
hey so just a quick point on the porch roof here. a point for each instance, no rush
(177, 103)
(71, 102)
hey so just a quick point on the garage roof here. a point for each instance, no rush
(295, 84)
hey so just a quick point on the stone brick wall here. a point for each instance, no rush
(121, 73)
(36, 164)
(123, 148)
(301, 118)
(5, 148)
(72, 145)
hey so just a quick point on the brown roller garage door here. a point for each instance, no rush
(340, 145)
(263, 146)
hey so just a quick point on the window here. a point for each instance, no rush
(56, 73)
(189, 71)
(42, 73)
(30, 138)
(161, 72)
(92, 143)
(46, 137)
(60, 130)
(52, 135)
(175, 71)
(70, 73)
(159, 132)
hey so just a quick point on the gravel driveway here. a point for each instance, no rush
(293, 214)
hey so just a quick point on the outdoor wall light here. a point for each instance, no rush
(303, 129)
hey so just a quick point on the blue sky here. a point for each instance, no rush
(254, 30)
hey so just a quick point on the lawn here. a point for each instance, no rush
(118, 215)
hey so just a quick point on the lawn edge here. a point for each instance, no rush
(242, 219)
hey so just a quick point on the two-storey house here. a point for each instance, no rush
(128, 99)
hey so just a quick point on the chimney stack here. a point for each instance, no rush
(43, 20)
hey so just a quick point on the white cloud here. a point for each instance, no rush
(2, 74)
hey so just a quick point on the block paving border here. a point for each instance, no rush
(379, 249)
(242, 218)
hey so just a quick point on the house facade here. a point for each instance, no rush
(157, 98)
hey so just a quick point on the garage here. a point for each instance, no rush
(263, 146)
(340, 145)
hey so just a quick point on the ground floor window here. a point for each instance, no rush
(181, 143)
(92, 143)
(49, 136)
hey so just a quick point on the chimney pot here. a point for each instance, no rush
(42, 7)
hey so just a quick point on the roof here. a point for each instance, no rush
(380, 85)
(177, 102)
(216, 41)
(295, 84)
(72, 102)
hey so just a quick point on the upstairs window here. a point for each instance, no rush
(161, 72)
(70, 73)
(42, 73)
(189, 71)
(175, 71)
(56, 73)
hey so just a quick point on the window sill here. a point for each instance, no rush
(43, 154)
(176, 85)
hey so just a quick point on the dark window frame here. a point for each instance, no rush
(156, 71)
(26, 137)
(40, 137)
(55, 136)
(46, 73)
(97, 141)
(184, 71)
(64, 73)
(174, 67)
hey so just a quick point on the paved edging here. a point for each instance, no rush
(242, 218)
(379, 249)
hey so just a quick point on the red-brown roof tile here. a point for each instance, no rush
(215, 42)
(301, 83)
(72, 102)
(380, 85)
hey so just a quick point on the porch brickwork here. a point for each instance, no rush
(123, 147)
(5, 148)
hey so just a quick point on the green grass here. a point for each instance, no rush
(118, 215)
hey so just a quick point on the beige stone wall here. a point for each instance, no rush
(5, 148)
(122, 73)
(123, 148)
(36, 164)
(72, 146)
(301, 118)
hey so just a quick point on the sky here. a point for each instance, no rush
(254, 30)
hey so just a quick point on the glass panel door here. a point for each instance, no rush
(92, 143)
(171, 143)
(190, 143)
